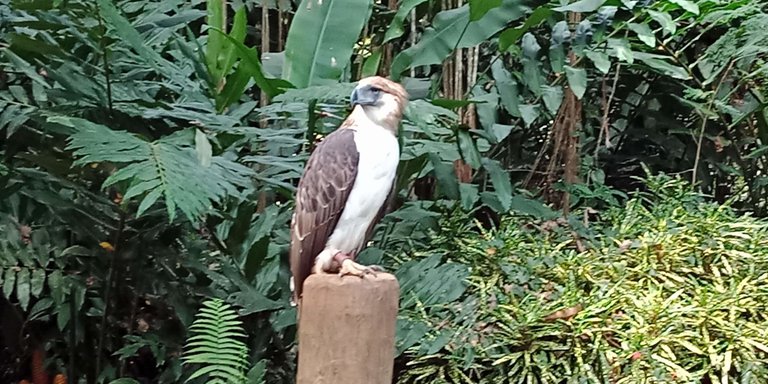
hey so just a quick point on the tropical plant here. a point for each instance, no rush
(667, 288)
(152, 148)
(215, 343)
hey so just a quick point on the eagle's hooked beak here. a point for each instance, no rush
(366, 95)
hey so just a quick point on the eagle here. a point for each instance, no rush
(346, 185)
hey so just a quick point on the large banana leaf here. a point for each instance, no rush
(453, 29)
(321, 39)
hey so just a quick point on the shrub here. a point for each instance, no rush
(666, 288)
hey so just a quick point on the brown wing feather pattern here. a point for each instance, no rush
(322, 193)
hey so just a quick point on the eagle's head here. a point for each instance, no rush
(382, 100)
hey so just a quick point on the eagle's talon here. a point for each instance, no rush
(349, 267)
(377, 268)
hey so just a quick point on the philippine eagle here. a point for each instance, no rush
(346, 184)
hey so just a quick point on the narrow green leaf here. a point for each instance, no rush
(237, 33)
(129, 34)
(203, 148)
(478, 8)
(581, 6)
(577, 80)
(644, 33)
(371, 64)
(25, 67)
(215, 44)
(250, 58)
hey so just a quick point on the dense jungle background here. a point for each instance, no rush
(581, 194)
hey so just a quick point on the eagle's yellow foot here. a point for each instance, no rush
(349, 267)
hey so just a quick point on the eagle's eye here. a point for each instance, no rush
(375, 90)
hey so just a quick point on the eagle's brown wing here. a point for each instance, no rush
(322, 194)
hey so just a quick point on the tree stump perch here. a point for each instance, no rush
(347, 329)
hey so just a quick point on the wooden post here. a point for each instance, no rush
(347, 329)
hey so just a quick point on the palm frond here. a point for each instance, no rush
(167, 168)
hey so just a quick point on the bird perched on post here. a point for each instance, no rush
(346, 185)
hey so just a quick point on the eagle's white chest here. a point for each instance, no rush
(377, 165)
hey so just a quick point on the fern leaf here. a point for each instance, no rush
(215, 344)
(167, 168)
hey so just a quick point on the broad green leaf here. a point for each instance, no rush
(37, 282)
(581, 6)
(396, 29)
(577, 80)
(601, 60)
(663, 18)
(468, 149)
(510, 36)
(63, 316)
(469, 195)
(453, 29)
(9, 281)
(666, 68)
(688, 5)
(622, 50)
(445, 175)
(23, 288)
(533, 208)
(529, 113)
(644, 33)
(553, 97)
(124, 380)
(478, 8)
(501, 183)
(508, 92)
(321, 39)
(56, 285)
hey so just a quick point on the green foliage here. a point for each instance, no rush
(321, 39)
(119, 115)
(161, 168)
(216, 344)
(668, 287)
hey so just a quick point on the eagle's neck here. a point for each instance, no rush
(373, 117)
